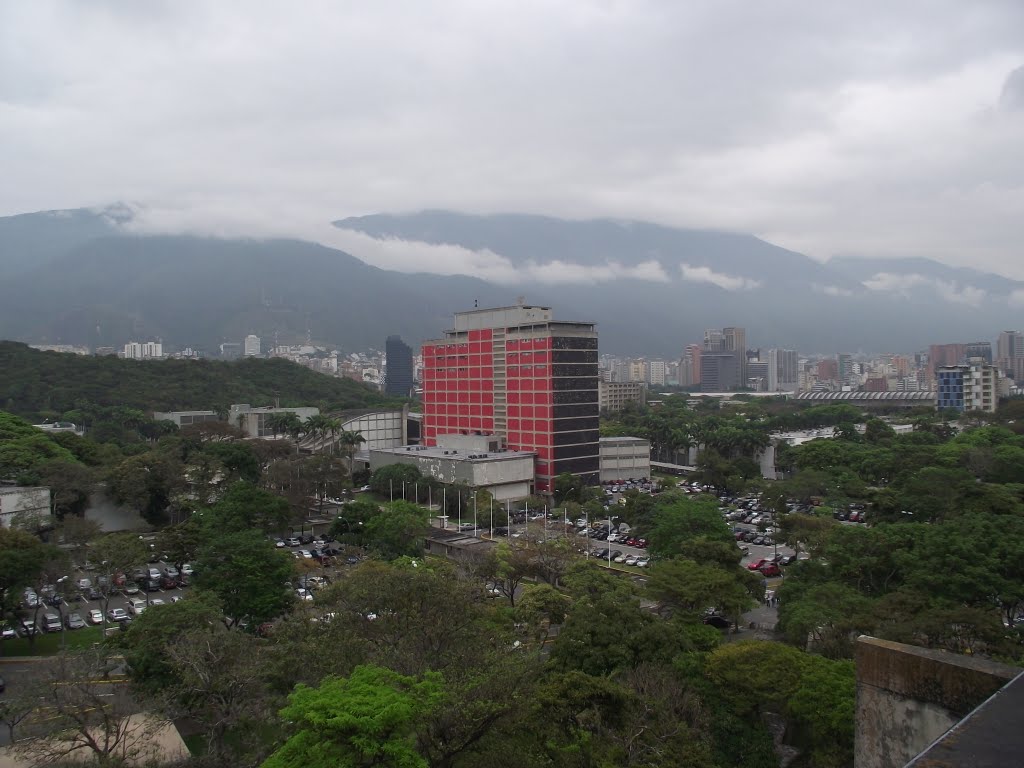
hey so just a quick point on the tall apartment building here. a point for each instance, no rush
(967, 387)
(689, 366)
(398, 380)
(844, 364)
(145, 350)
(942, 355)
(718, 373)
(979, 349)
(783, 370)
(517, 373)
(828, 370)
(656, 373)
(252, 345)
(615, 395)
(1010, 354)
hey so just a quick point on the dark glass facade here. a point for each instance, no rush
(398, 380)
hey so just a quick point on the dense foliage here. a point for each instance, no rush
(52, 385)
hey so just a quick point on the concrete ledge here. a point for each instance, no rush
(907, 697)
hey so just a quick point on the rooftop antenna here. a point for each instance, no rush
(476, 304)
(521, 300)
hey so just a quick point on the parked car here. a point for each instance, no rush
(643, 562)
(27, 628)
(51, 622)
(601, 553)
(95, 616)
(136, 606)
(631, 560)
(787, 560)
(614, 554)
(756, 565)
(131, 588)
(768, 570)
(718, 622)
(292, 542)
(74, 621)
(186, 569)
(156, 601)
(118, 615)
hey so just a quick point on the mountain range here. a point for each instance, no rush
(88, 277)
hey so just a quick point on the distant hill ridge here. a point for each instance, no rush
(76, 277)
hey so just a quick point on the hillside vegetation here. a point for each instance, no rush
(38, 385)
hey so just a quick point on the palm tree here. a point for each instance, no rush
(332, 427)
(316, 426)
(349, 442)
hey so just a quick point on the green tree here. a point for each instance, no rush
(247, 574)
(567, 488)
(245, 507)
(397, 530)
(685, 520)
(368, 718)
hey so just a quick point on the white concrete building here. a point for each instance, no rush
(145, 350)
(252, 346)
(25, 506)
(614, 395)
(504, 474)
(625, 457)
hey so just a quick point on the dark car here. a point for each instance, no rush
(169, 582)
(74, 621)
(613, 554)
(787, 560)
(718, 622)
(749, 536)
(601, 553)
(152, 585)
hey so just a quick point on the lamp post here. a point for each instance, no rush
(60, 611)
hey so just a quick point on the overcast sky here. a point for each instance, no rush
(878, 128)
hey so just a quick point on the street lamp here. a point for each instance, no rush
(60, 611)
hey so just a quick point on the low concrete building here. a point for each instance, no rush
(252, 421)
(186, 418)
(613, 396)
(25, 506)
(472, 460)
(625, 457)
(456, 545)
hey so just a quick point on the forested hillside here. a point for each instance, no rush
(38, 385)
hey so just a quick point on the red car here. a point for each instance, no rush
(631, 542)
(642, 543)
(757, 565)
(769, 570)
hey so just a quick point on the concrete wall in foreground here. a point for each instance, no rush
(907, 697)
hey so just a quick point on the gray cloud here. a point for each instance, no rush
(872, 128)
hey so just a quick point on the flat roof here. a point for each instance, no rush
(623, 439)
(435, 452)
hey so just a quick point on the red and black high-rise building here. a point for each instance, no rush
(516, 373)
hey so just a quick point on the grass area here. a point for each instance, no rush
(49, 644)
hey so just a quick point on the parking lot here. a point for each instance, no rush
(81, 600)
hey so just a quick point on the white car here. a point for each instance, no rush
(304, 594)
(186, 568)
(156, 601)
(621, 558)
(306, 554)
(280, 544)
(631, 560)
(95, 616)
(117, 614)
(643, 562)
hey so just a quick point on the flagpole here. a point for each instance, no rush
(444, 506)
(491, 504)
(391, 488)
(460, 511)
(474, 514)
